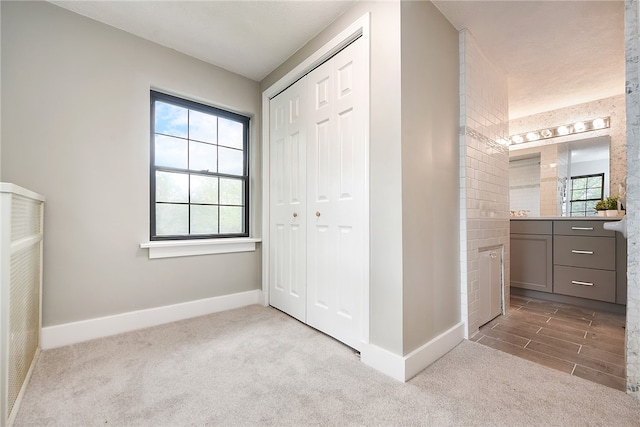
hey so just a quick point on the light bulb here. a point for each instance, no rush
(533, 136)
(547, 133)
(517, 139)
(598, 123)
(563, 130)
(579, 127)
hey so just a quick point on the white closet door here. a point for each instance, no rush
(288, 211)
(335, 195)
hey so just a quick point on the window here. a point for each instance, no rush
(199, 170)
(586, 190)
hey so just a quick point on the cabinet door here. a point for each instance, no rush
(287, 204)
(489, 284)
(532, 262)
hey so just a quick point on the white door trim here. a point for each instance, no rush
(360, 28)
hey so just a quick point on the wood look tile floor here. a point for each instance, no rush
(576, 340)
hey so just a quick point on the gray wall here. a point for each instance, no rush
(430, 174)
(77, 131)
(414, 282)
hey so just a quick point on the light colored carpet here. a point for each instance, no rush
(257, 366)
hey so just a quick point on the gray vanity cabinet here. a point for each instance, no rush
(572, 258)
(532, 255)
(584, 258)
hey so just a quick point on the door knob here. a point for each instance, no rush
(295, 215)
(318, 214)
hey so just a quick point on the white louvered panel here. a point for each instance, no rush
(20, 293)
(24, 317)
(25, 217)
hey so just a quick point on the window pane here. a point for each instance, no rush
(204, 189)
(594, 193)
(230, 133)
(171, 119)
(171, 152)
(230, 161)
(591, 207)
(594, 181)
(577, 194)
(231, 192)
(172, 187)
(579, 183)
(203, 127)
(203, 157)
(204, 219)
(577, 206)
(231, 219)
(172, 219)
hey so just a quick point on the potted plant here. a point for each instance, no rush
(612, 206)
(601, 207)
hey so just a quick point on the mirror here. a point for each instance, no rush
(562, 179)
(524, 185)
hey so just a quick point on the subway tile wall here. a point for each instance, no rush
(484, 171)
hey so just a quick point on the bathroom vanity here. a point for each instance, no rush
(569, 259)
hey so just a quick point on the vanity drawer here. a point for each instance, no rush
(589, 252)
(528, 226)
(585, 283)
(581, 228)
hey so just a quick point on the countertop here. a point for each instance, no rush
(565, 218)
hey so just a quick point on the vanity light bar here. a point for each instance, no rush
(573, 128)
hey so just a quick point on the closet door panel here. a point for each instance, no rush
(335, 165)
(288, 205)
(320, 265)
(348, 301)
(347, 151)
(320, 173)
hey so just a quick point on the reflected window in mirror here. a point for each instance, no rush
(586, 190)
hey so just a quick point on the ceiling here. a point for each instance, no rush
(250, 38)
(554, 53)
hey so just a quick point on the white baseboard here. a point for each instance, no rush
(403, 368)
(383, 360)
(85, 330)
(420, 358)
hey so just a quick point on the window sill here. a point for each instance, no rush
(178, 248)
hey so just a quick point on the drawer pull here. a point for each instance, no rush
(582, 228)
(577, 282)
(574, 251)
